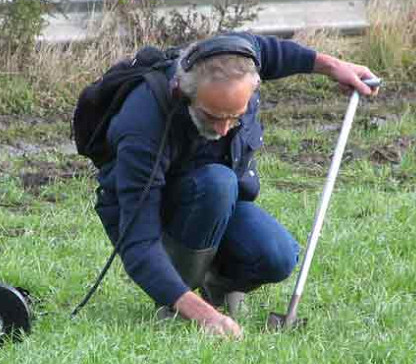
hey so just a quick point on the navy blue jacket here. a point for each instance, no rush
(134, 135)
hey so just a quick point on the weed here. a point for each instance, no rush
(389, 45)
(142, 24)
(231, 14)
(16, 95)
(22, 22)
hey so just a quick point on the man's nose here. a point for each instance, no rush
(222, 127)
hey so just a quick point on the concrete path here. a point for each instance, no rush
(288, 17)
(279, 18)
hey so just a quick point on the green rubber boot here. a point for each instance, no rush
(223, 292)
(191, 264)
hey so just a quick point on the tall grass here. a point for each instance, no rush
(390, 43)
(55, 74)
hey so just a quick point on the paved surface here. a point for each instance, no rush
(289, 17)
(280, 18)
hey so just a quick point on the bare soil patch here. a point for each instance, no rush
(292, 111)
(35, 174)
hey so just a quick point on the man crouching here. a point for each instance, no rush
(199, 226)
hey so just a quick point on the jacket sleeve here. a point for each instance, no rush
(282, 58)
(135, 134)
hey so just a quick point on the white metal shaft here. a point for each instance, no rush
(326, 195)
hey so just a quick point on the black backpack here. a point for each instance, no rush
(102, 99)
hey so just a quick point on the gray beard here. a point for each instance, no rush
(202, 127)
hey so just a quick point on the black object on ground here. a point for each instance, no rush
(14, 313)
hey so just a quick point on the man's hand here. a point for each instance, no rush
(349, 75)
(193, 307)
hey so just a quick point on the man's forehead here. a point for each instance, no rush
(225, 97)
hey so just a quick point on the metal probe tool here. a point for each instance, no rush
(278, 321)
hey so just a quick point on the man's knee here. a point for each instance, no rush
(278, 264)
(220, 186)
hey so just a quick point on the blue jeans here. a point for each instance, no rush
(204, 210)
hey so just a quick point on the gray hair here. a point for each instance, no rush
(222, 68)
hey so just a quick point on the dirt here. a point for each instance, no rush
(294, 112)
(35, 174)
(23, 149)
(299, 112)
(390, 95)
(33, 171)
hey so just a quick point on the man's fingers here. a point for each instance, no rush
(214, 330)
(360, 86)
(366, 74)
(224, 326)
(374, 91)
(231, 327)
(366, 90)
(193, 307)
(351, 76)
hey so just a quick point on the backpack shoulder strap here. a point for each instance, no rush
(159, 84)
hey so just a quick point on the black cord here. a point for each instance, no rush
(143, 196)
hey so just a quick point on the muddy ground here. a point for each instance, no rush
(39, 150)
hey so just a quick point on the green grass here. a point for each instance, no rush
(16, 95)
(360, 297)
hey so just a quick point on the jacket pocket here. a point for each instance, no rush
(253, 142)
(255, 139)
(249, 184)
